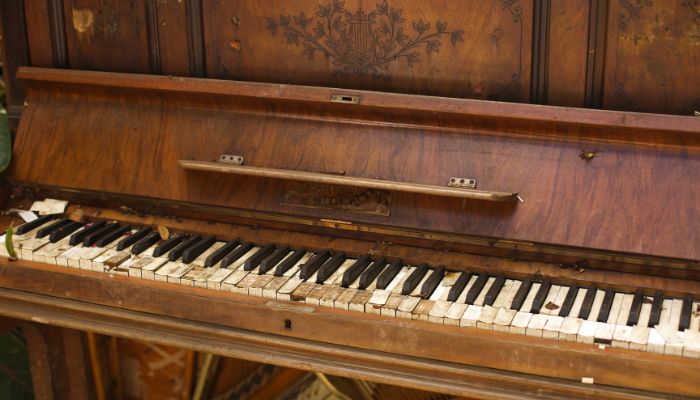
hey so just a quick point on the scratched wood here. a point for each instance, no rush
(653, 56)
(482, 48)
(630, 197)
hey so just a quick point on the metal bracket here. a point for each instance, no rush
(230, 159)
(345, 99)
(457, 182)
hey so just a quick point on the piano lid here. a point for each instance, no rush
(525, 174)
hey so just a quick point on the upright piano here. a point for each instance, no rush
(404, 235)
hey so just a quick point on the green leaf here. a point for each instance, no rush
(8, 242)
(5, 140)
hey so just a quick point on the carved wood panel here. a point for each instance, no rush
(653, 56)
(472, 49)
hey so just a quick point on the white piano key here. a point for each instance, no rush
(551, 299)
(379, 297)
(454, 313)
(69, 254)
(407, 306)
(673, 339)
(470, 317)
(586, 333)
(50, 256)
(422, 310)
(482, 295)
(344, 300)
(655, 342)
(639, 337)
(501, 299)
(622, 336)
(239, 263)
(199, 261)
(241, 287)
(615, 308)
(149, 271)
(570, 328)
(441, 292)
(86, 257)
(552, 327)
(597, 303)
(691, 343)
(536, 325)
(604, 333)
(527, 304)
(389, 308)
(397, 282)
(218, 276)
(336, 278)
(625, 308)
(328, 299)
(450, 278)
(416, 290)
(675, 317)
(520, 322)
(578, 301)
(27, 247)
(695, 317)
(97, 263)
(462, 298)
(288, 288)
(487, 317)
(503, 319)
(645, 312)
(437, 313)
(666, 308)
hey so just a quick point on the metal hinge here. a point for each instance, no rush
(230, 159)
(457, 182)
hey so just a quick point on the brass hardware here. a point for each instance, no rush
(345, 99)
(457, 182)
(304, 176)
(230, 159)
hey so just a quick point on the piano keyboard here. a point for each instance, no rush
(532, 307)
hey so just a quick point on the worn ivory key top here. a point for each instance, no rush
(407, 306)
(454, 314)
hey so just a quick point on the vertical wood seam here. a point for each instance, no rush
(195, 37)
(152, 37)
(540, 51)
(595, 59)
(57, 27)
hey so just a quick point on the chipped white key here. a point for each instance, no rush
(470, 317)
(148, 271)
(549, 306)
(536, 325)
(503, 319)
(655, 342)
(215, 279)
(695, 317)
(691, 343)
(379, 297)
(672, 338)
(454, 313)
(665, 316)
(552, 327)
(586, 333)
(437, 313)
(645, 312)
(604, 333)
(520, 322)
(344, 300)
(569, 329)
(487, 317)
(622, 336)
(98, 263)
(639, 338)
(675, 317)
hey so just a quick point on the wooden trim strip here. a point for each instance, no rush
(540, 51)
(595, 68)
(58, 34)
(315, 177)
(152, 36)
(195, 37)
(689, 126)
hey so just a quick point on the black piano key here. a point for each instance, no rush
(686, 310)
(311, 266)
(80, 236)
(494, 290)
(112, 236)
(184, 245)
(133, 238)
(587, 302)
(656, 309)
(99, 234)
(568, 301)
(272, 260)
(43, 232)
(239, 252)
(64, 231)
(253, 261)
(143, 244)
(28, 226)
(371, 273)
(538, 301)
(606, 305)
(635, 309)
(459, 286)
(414, 279)
(476, 288)
(216, 256)
(169, 244)
(388, 275)
(289, 262)
(355, 270)
(521, 295)
(432, 283)
(192, 252)
(329, 268)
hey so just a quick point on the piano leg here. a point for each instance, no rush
(57, 360)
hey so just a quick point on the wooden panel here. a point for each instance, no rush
(629, 197)
(172, 37)
(460, 49)
(568, 48)
(653, 56)
(39, 35)
(107, 35)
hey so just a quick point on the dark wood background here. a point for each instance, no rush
(637, 55)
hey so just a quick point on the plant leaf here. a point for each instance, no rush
(5, 140)
(8, 242)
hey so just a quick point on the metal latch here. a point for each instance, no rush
(345, 99)
(229, 159)
(457, 182)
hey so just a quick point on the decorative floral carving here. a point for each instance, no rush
(362, 42)
(632, 8)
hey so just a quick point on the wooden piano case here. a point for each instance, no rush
(552, 184)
